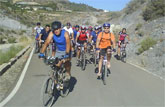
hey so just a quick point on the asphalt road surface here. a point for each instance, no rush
(127, 86)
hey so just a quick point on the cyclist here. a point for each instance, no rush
(90, 29)
(93, 36)
(105, 40)
(44, 34)
(69, 29)
(82, 37)
(38, 29)
(63, 46)
(75, 31)
(121, 40)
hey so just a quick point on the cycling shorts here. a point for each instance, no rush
(62, 53)
(103, 51)
(82, 42)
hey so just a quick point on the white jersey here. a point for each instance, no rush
(38, 29)
(70, 30)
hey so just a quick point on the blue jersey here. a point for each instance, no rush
(75, 33)
(44, 34)
(94, 36)
(60, 41)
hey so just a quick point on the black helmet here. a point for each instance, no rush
(38, 23)
(56, 25)
(68, 24)
(77, 26)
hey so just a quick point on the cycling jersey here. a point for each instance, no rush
(75, 33)
(105, 39)
(122, 36)
(70, 30)
(60, 41)
(38, 30)
(94, 36)
(44, 34)
(82, 36)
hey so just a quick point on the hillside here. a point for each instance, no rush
(147, 46)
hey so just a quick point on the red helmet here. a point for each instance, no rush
(90, 28)
(83, 28)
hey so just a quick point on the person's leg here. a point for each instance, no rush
(109, 54)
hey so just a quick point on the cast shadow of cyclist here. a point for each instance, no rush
(72, 84)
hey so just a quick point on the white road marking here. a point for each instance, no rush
(8, 98)
(146, 70)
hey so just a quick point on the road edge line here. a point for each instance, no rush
(14, 91)
(146, 71)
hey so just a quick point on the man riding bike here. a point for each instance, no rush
(82, 37)
(75, 31)
(105, 40)
(62, 41)
(69, 29)
(44, 34)
(93, 36)
(37, 30)
(121, 39)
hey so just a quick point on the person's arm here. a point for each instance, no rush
(68, 44)
(128, 37)
(78, 34)
(98, 41)
(113, 41)
(48, 40)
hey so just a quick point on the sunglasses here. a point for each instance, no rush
(106, 27)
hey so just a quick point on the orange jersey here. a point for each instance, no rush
(106, 39)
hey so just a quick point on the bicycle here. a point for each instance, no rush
(123, 53)
(82, 57)
(37, 46)
(57, 82)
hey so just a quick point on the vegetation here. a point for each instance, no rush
(133, 5)
(78, 7)
(12, 40)
(6, 56)
(23, 39)
(138, 26)
(146, 44)
(154, 10)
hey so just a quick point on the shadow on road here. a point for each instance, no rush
(72, 83)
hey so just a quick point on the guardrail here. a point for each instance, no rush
(4, 67)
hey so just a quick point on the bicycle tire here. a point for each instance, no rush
(48, 92)
(104, 72)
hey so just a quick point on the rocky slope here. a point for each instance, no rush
(152, 59)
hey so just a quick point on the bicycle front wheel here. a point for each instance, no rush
(48, 92)
(104, 72)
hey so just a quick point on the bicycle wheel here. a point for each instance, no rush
(48, 92)
(36, 47)
(104, 72)
(83, 61)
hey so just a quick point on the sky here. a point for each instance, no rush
(111, 5)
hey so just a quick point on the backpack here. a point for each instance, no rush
(109, 37)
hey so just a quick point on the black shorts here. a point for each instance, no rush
(103, 51)
(81, 42)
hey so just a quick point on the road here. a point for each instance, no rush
(127, 86)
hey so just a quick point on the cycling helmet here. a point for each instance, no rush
(38, 23)
(96, 28)
(83, 28)
(90, 27)
(106, 25)
(68, 24)
(56, 25)
(77, 26)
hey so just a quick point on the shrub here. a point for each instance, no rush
(133, 5)
(2, 39)
(138, 26)
(154, 10)
(12, 40)
(12, 31)
(146, 44)
(1, 30)
(6, 56)
(23, 39)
